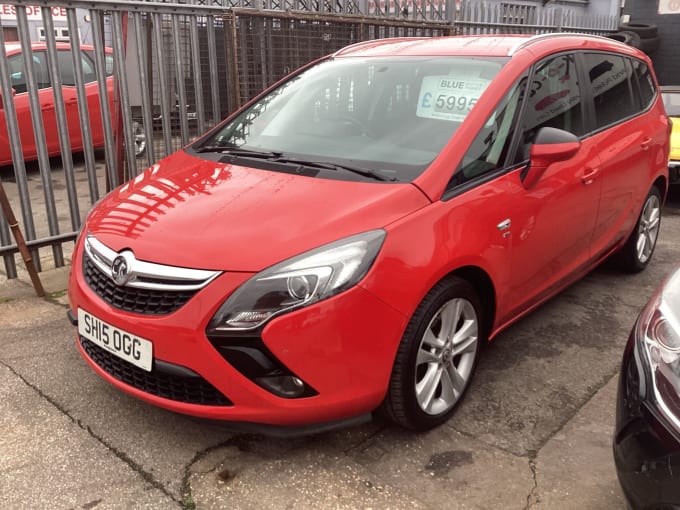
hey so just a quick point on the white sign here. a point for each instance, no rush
(669, 6)
(449, 97)
(33, 13)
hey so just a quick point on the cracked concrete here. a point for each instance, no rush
(533, 432)
(531, 497)
(51, 461)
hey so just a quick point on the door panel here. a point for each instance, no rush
(625, 177)
(553, 221)
(552, 225)
(628, 144)
(22, 106)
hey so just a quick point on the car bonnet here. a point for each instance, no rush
(190, 212)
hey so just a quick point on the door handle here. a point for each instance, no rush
(48, 107)
(70, 102)
(504, 225)
(589, 175)
(645, 144)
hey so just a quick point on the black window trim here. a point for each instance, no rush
(450, 193)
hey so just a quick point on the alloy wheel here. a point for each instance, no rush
(648, 228)
(446, 356)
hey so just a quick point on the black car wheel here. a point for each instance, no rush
(638, 250)
(437, 356)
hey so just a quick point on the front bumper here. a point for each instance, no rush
(342, 347)
(646, 446)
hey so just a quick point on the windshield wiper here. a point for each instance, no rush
(239, 151)
(278, 157)
(327, 165)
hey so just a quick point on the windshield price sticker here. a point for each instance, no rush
(448, 98)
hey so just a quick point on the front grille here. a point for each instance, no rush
(131, 299)
(180, 388)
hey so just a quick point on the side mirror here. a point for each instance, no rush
(550, 146)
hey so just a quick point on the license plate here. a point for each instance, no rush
(118, 342)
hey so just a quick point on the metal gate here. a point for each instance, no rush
(170, 71)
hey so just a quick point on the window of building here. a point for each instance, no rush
(61, 34)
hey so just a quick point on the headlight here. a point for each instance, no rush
(658, 335)
(298, 282)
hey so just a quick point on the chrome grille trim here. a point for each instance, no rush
(148, 275)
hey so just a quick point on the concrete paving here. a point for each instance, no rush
(534, 431)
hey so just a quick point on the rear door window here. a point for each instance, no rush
(611, 88)
(108, 63)
(65, 63)
(66, 72)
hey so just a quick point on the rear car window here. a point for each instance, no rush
(645, 83)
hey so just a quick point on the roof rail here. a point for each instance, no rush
(534, 38)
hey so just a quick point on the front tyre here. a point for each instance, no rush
(638, 250)
(437, 356)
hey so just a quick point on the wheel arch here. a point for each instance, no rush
(483, 284)
(662, 184)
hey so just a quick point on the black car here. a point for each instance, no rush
(647, 439)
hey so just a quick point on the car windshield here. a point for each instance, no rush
(671, 102)
(388, 117)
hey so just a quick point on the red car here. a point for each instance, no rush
(348, 240)
(15, 60)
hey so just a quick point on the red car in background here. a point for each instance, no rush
(349, 239)
(15, 60)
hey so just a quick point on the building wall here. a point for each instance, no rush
(36, 24)
(667, 58)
